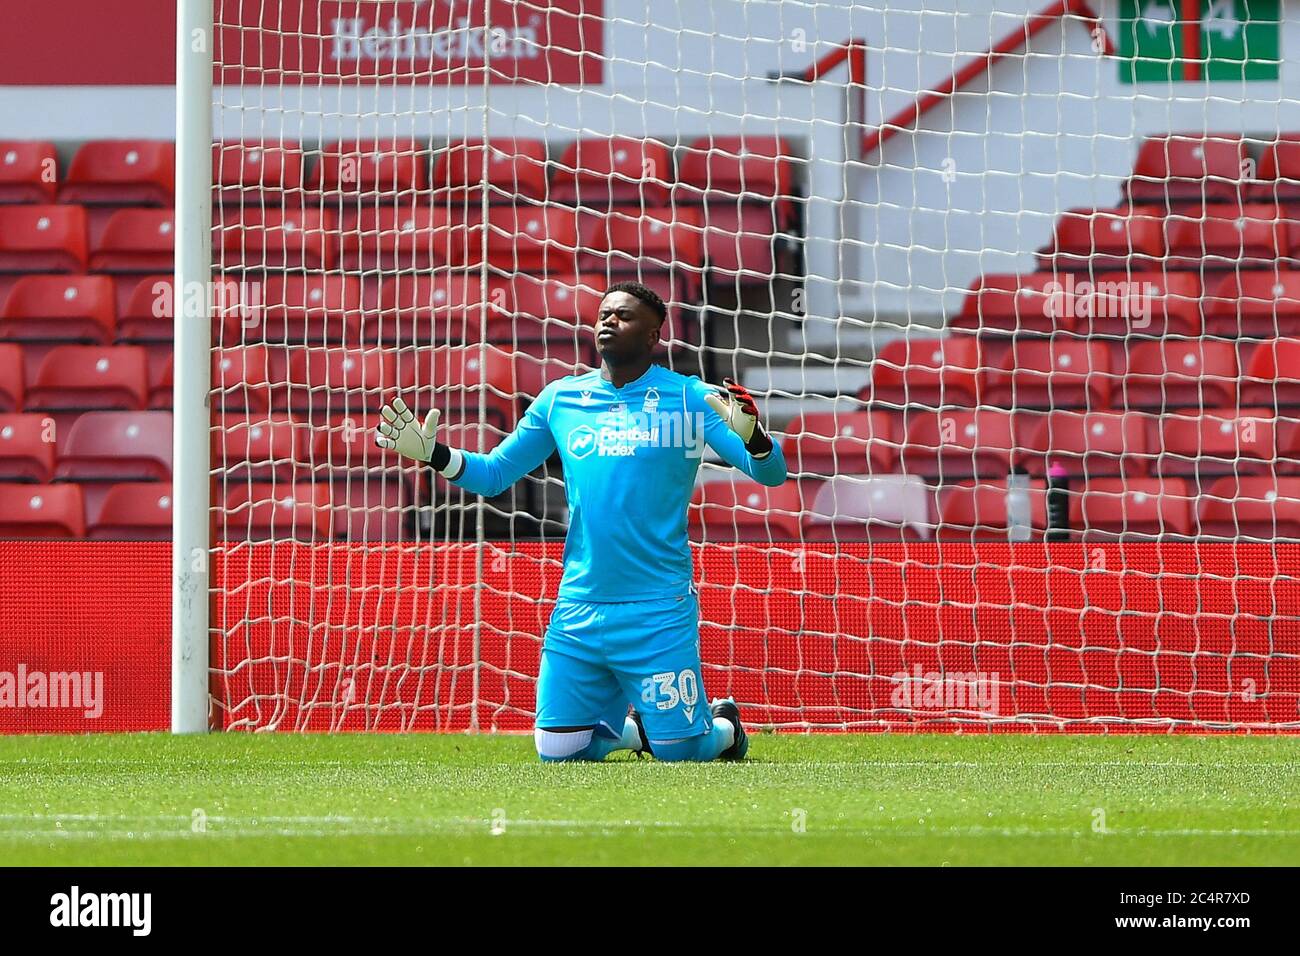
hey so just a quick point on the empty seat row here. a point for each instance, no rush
(45, 238)
(904, 507)
(1214, 237)
(1069, 372)
(1263, 304)
(116, 172)
(896, 507)
(619, 169)
(1214, 167)
(315, 308)
(256, 377)
(989, 442)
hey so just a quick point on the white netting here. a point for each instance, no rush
(999, 279)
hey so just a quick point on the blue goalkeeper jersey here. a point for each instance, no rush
(630, 457)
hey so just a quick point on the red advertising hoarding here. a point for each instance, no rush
(1083, 638)
(324, 42)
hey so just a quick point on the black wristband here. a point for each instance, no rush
(759, 443)
(441, 456)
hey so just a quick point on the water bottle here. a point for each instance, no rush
(1058, 504)
(1019, 513)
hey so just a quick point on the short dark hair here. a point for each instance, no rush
(647, 295)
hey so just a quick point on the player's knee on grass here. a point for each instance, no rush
(701, 748)
(554, 745)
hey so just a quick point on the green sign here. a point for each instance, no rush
(1159, 41)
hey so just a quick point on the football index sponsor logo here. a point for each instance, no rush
(582, 441)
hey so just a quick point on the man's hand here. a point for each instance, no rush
(399, 432)
(737, 408)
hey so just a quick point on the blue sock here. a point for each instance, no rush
(702, 748)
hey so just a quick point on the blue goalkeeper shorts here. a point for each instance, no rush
(598, 658)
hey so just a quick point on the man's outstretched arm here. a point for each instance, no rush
(530, 444)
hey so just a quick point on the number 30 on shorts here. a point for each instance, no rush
(667, 690)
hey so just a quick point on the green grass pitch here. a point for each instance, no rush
(434, 799)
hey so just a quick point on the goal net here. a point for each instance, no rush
(1013, 289)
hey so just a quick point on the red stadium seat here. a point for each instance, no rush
(538, 239)
(136, 240)
(875, 507)
(728, 169)
(1279, 171)
(740, 510)
(1133, 508)
(1189, 167)
(456, 375)
(60, 308)
(1225, 441)
(12, 378)
(347, 443)
(300, 238)
(1250, 236)
(392, 238)
(1255, 305)
(1089, 444)
(261, 510)
(299, 308)
(746, 187)
(830, 443)
(118, 446)
(256, 171)
(148, 315)
(160, 387)
(343, 381)
(1146, 304)
(741, 242)
(926, 371)
(665, 242)
(1039, 302)
(241, 378)
(1106, 239)
(28, 171)
(1253, 506)
(973, 510)
(1174, 373)
(606, 172)
(516, 169)
(435, 308)
(90, 377)
(258, 445)
(1057, 373)
(955, 443)
(557, 304)
(26, 447)
(122, 172)
(42, 239)
(386, 167)
(1273, 375)
(135, 511)
(42, 511)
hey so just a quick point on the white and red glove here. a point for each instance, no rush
(736, 407)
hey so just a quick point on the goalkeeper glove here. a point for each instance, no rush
(736, 407)
(398, 432)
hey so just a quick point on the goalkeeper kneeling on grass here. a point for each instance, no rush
(625, 627)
